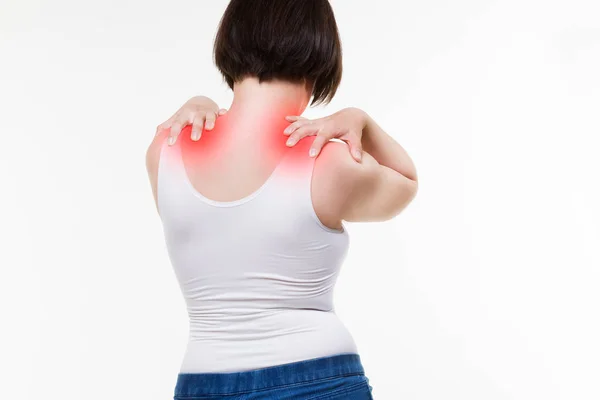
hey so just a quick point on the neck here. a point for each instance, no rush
(256, 120)
(254, 101)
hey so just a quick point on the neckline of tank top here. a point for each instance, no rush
(232, 203)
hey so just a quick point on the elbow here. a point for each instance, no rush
(405, 197)
(413, 176)
(413, 189)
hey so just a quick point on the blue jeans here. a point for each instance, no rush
(327, 378)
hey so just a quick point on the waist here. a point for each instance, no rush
(295, 373)
(244, 342)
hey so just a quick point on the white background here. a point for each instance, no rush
(485, 287)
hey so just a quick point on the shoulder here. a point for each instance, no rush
(152, 160)
(153, 152)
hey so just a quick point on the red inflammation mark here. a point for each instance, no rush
(209, 149)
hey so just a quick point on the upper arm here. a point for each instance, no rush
(365, 191)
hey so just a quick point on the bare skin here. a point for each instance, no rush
(368, 178)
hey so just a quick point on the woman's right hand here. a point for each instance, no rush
(200, 111)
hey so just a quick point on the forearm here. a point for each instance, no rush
(386, 150)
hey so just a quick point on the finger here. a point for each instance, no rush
(197, 126)
(293, 118)
(183, 119)
(356, 148)
(175, 131)
(222, 111)
(165, 125)
(210, 120)
(317, 145)
(303, 131)
(296, 125)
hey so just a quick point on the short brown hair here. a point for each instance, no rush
(281, 39)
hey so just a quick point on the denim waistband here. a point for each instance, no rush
(198, 384)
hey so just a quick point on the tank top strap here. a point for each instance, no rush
(170, 162)
(294, 175)
(173, 196)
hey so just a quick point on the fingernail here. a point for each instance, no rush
(290, 142)
(209, 125)
(196, 136)
(287, 130)
(312, 152)
(171, 140)
(357, 154)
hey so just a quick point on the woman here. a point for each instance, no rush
(252, 209)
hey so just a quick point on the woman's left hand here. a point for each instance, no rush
(346, 125)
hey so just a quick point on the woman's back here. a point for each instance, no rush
(250, 223)
(255, 264)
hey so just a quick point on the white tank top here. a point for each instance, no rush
(257, 274)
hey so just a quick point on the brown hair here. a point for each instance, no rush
(281, 39)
